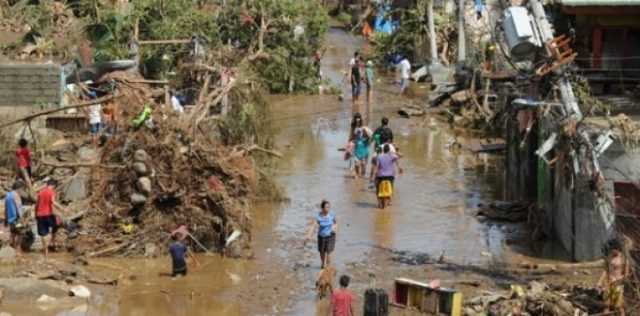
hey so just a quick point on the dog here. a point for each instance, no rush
(324, 282)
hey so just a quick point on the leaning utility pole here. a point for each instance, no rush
(432, 34)
(546, 34)
(462, 52)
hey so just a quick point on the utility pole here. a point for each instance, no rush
(462, 51)
(546, 33)
(432, 34)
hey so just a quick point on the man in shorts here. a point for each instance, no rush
(94, 115)
(12, 213)
(356, 80)
(45, 217)
(405, 73)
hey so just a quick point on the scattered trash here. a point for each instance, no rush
(504, 211)
(80, 291)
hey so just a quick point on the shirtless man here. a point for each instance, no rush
(613, 277)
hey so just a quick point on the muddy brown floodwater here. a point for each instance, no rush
(431, 216)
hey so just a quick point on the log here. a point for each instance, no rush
(264, 150)
(103, 281)
(561, 266)
(78, 165)
(107, 250)
(73, 106)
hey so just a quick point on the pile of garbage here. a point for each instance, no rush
(538, 299)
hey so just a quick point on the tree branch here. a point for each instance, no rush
(64, 108)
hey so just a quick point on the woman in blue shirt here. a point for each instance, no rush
(327, 224)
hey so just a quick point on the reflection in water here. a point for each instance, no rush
(383, 229)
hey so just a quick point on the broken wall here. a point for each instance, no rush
(31, 84)
(574, 215)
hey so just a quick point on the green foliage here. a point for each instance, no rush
(158, 20)
(345, 18)
(240, 23)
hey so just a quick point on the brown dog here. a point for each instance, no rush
(324, 282)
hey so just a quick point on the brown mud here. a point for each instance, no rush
(431, 219)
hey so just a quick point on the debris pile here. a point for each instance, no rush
(537, 300)
(153, 178)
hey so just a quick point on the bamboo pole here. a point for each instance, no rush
(64, 108)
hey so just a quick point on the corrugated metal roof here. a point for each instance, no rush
(582, 3)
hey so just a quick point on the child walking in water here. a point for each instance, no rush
(178, 251)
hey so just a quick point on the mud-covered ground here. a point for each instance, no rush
(429, 232)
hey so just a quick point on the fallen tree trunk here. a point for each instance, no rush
(73, 106)
(78, 165)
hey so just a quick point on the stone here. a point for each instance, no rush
(138, 199)
(45, 299)
(150, 249)
(80, 291)
(32, 289)
(76, 190)
(7, 252)
(87, 153)
(140, 168)
(140, 156)
(144, 185)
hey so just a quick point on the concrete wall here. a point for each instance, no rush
(521, 164)
(574, 215)
(31, 84)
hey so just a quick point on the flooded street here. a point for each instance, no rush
(431, 217)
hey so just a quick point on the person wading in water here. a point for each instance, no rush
(327, 224)
(361, 136)
(385, 175)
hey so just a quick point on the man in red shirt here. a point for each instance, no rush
(45, 217)
(342, 299)
(23, 154)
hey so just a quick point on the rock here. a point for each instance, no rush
(87, 153)
(6, 252)
(150, 249)
(144, 185)
(45, 299)
(140, 156)
(140, 168)
(32, 289)
(138, 199)
(80, 291)
(536, 288)
(76, 190)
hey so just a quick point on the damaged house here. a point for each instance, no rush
(569, 167)
(605, 34)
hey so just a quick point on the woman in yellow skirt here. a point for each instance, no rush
(385, 173)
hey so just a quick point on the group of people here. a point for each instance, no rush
(360, 73)
(384, 159)
(46, 207)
